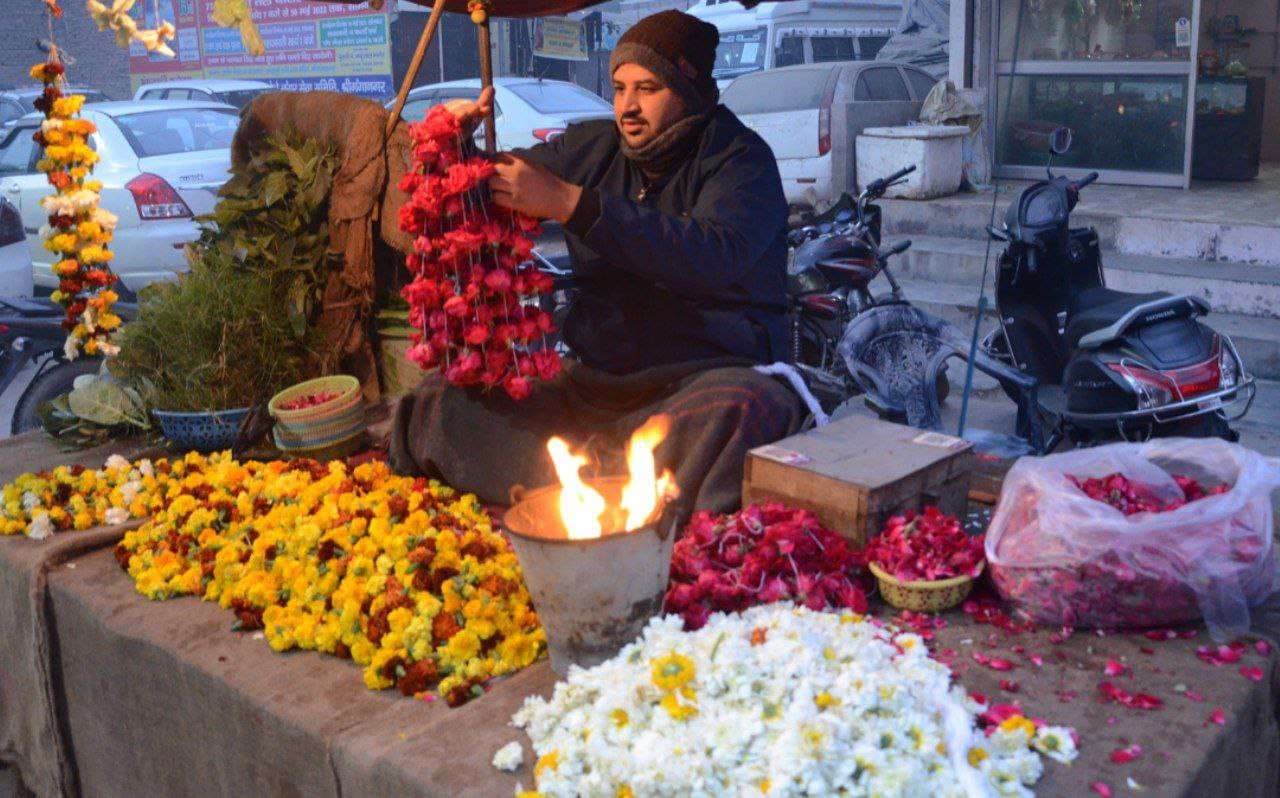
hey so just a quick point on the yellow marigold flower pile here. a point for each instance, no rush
(79, 230)
(403, 576)
(77, 498)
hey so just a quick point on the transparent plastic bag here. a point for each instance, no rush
(1063, 557)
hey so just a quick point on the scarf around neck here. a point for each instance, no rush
(659, 156)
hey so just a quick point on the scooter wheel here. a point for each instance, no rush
(56, 380)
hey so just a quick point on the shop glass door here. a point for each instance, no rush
(1117, 72)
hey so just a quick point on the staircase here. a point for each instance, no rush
(1236, 267)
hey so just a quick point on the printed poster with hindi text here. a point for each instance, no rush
(309, 46)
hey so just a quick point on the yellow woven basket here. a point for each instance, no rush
(347, 388)
(923, 596)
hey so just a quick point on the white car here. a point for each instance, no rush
(527, 111)
(161, 165)
(15, 258)
(811, 116)
(231, 92)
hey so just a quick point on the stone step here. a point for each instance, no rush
(1257, 339)
(1248, 290)
(1138, 232)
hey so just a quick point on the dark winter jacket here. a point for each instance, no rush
(687, 267)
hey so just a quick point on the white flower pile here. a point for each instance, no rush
(776, 701)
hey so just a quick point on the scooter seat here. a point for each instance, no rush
(1095, 309)
(29, 308)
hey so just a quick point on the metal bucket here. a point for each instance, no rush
(593, 596)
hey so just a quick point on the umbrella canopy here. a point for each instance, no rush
(515, 8)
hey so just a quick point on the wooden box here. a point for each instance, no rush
(858, 472)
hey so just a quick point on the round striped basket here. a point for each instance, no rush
(321, 426)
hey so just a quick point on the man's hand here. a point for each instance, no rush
(471, 113)
(528, 188)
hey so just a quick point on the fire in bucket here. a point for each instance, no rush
(596, 552)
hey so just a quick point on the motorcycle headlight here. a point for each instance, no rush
(1152, 390)
(1228, 367)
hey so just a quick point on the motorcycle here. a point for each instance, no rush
(1110, 365)
(31, 332)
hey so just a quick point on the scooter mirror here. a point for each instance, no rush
(1060, 140)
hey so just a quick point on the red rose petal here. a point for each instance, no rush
(1218, 717)
(1114, 668)
(1101, 788)
(1123, 756)
(1009, 686)
(1262, 647)
(1252, 674)
(1192, 695)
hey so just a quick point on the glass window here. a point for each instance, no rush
(10, 110)
(870, 46)
(558, 98)
(790, 51)
(739, 52)
(167, 132)
(1094, 30)
(831, 48)
(921, 83)
(772, 92)
(239, 98)
(18, 153)
(1135, 124)
(881, 84)
(417, 109)
(178, 94)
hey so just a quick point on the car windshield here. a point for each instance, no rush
(239, 98)
(773, 91)
(558, 98)
(187, 130)
(739, 52)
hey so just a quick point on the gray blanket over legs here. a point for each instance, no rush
(486, 443)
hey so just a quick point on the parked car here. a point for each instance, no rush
(15, 258)
(16, 103)
(161, 164)
(526, 110)
(231, 92)
(811, 116)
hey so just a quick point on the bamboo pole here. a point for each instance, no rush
(424, 41)
(486, 80)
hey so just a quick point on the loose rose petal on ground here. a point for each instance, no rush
(1114, 668)
(1067, 696)
(1263, 647)
(1146, 649)
(1219, 717)
(1101, 788)
(1146, 701)
(1036, 660)
(1123, 756)
(1252, 674)
(1161, 634)
(1009, 686)
(1192, 695)
(1222, 655)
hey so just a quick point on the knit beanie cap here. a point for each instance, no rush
(679, 49)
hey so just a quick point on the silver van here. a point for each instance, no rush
(811, 116)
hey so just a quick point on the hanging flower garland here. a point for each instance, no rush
(116, 17)
(79, 230)
(470, 299)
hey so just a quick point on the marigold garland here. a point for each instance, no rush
(470, 298)
(403, 576)
(76, 498)
(79, 230)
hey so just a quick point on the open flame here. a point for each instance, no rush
(584, 510)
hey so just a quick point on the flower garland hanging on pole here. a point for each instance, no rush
(78, 231)
(473, 304)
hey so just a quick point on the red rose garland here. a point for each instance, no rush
(470, 298)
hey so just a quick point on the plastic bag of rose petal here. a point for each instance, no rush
(1065, 558)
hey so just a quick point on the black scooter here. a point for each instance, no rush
(1110, 365)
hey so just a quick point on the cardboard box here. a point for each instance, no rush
(858, 472)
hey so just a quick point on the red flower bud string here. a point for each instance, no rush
(473, 297)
